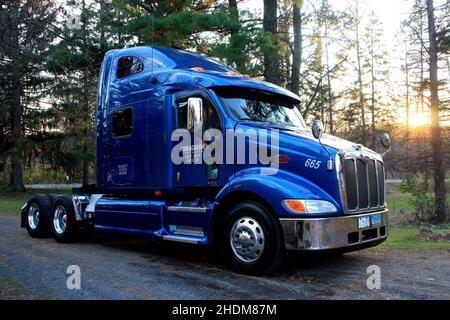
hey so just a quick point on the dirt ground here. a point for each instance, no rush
(115, 267)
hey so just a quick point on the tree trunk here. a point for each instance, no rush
(271, 59)
(17, 109)
(439, 169)
(233, 9)
(372, 80)
(407, 86)
(297, 56)
(407, 105)
(329, 102)
(360, 84)
(86, 137)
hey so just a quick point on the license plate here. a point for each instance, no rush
(363, 222)
(376, 219)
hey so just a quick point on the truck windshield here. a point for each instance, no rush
(244, 104)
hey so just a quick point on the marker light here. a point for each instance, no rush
(283, 159)
(308, 206)
(198, 69)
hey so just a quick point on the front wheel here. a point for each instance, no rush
(63, 219)
(252, 240)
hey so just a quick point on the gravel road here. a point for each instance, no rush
(128, 268)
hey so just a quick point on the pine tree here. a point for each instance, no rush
(25, 31)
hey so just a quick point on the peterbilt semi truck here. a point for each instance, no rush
(310, 192)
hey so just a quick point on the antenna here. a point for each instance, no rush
(152, 31)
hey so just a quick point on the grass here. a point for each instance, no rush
(10, 202)
(398, 201)
(404, 235)
(406, 238)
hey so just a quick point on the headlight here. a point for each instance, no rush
(308, 206)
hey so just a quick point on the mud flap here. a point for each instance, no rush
(23, 216)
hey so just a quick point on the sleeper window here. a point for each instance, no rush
(128, 66)
(122, 122)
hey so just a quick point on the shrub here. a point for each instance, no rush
(417, 185)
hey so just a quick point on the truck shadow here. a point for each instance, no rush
(204, 257)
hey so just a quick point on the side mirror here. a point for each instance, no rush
(386, 142)
(317, 129)
(194, 113)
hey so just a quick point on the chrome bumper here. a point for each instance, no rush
(333, 232)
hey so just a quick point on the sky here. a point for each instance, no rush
(391, 12)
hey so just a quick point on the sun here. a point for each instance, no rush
(418, 119)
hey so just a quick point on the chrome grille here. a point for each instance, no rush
(363, 184)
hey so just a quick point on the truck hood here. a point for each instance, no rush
(293, 137)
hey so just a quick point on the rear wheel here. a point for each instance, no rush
(63, 220)
(37, 213)
(252, 240)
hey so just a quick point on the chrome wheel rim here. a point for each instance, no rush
(33, 216)
(247, 239)
(60, 219)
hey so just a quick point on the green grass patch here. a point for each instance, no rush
(397, 201)
(11, 202)
(406, 238)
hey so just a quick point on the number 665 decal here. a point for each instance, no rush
(313, 164)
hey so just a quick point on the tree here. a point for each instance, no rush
(297, 54)
(439, 169)
(25, 31)
(75, 63)
(376, 65)
(328, 20)
(357, 24)
(271, 56)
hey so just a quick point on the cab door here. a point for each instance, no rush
(194, 171)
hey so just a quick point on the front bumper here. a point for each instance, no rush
(334, 232)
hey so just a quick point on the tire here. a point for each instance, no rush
(37, 215)
(63, 222)
(252, 240)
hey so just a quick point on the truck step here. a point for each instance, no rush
(184, 239)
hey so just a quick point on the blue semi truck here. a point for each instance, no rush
(309, 192)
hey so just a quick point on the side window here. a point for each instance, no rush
(122, 122)
(210, 116)
(128, 66)
(182, 114)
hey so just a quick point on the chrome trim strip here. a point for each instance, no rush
(346, 155)
(378, 186)
(187, 209)
(180, 239)
(357, 184)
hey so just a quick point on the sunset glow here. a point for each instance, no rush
(418, 119)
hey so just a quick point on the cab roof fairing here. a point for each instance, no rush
(173, 67)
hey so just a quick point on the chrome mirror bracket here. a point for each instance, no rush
(317, 130)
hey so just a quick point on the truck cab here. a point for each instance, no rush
(190, 150)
